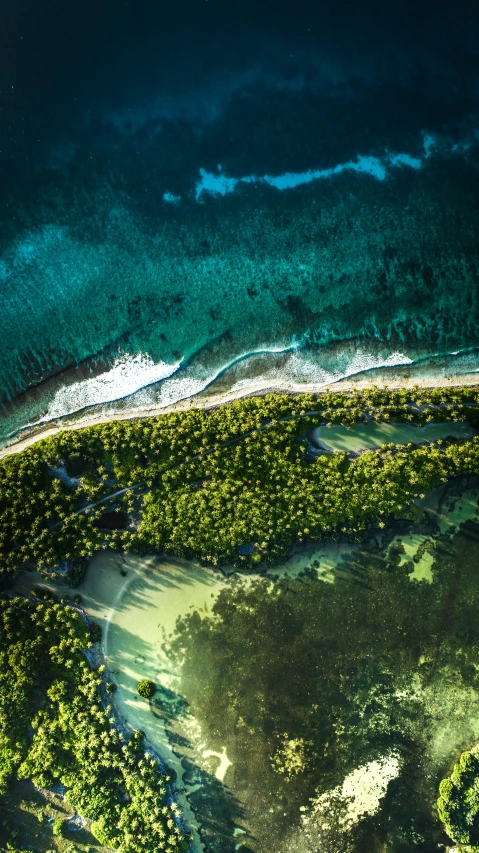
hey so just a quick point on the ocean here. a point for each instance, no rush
(214, 197)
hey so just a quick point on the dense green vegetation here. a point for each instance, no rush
(146, 688)
(245, 502)
(236, 485)
(54, 728)
(58, 827)
(458, 804)
(27, 821)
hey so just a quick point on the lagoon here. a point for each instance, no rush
(138, 601)
(373, 435)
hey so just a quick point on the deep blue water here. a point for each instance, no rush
(289, 188)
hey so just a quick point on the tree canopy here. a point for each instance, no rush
(54, 728)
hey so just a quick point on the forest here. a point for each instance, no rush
(234, 484)
(237, 485)
(55, 728)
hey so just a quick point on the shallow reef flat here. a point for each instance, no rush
(306, 284)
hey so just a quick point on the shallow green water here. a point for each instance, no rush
(369, 436)
(419, 549)
(138, 602)
(307, 684)
(280, 702)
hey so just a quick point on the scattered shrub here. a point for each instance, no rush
(146, 688)
(58, 827)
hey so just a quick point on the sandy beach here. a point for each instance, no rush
(206, 400)
(137, 601)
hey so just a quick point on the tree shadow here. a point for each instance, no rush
(143, 579)
(217, 810)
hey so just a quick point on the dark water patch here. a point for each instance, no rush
(112, 521)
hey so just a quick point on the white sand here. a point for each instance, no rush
(137, 612)
(224, 762)
(210, 401)
(359, 795)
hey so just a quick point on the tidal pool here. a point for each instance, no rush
(418, 549)
(370, 436)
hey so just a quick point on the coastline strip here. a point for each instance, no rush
(215, 401)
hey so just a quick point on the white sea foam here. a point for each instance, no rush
(300, 369)
(134, 375)
(183, 386)
(297, 369)
(177, 386)
(365, 361)
(150, 385)
(127, 375)
(160, 385)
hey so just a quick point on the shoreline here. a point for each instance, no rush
(104, 591)
(112, 587)
(203, 400)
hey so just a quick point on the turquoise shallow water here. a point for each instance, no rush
(295, 284)
(240, 219)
